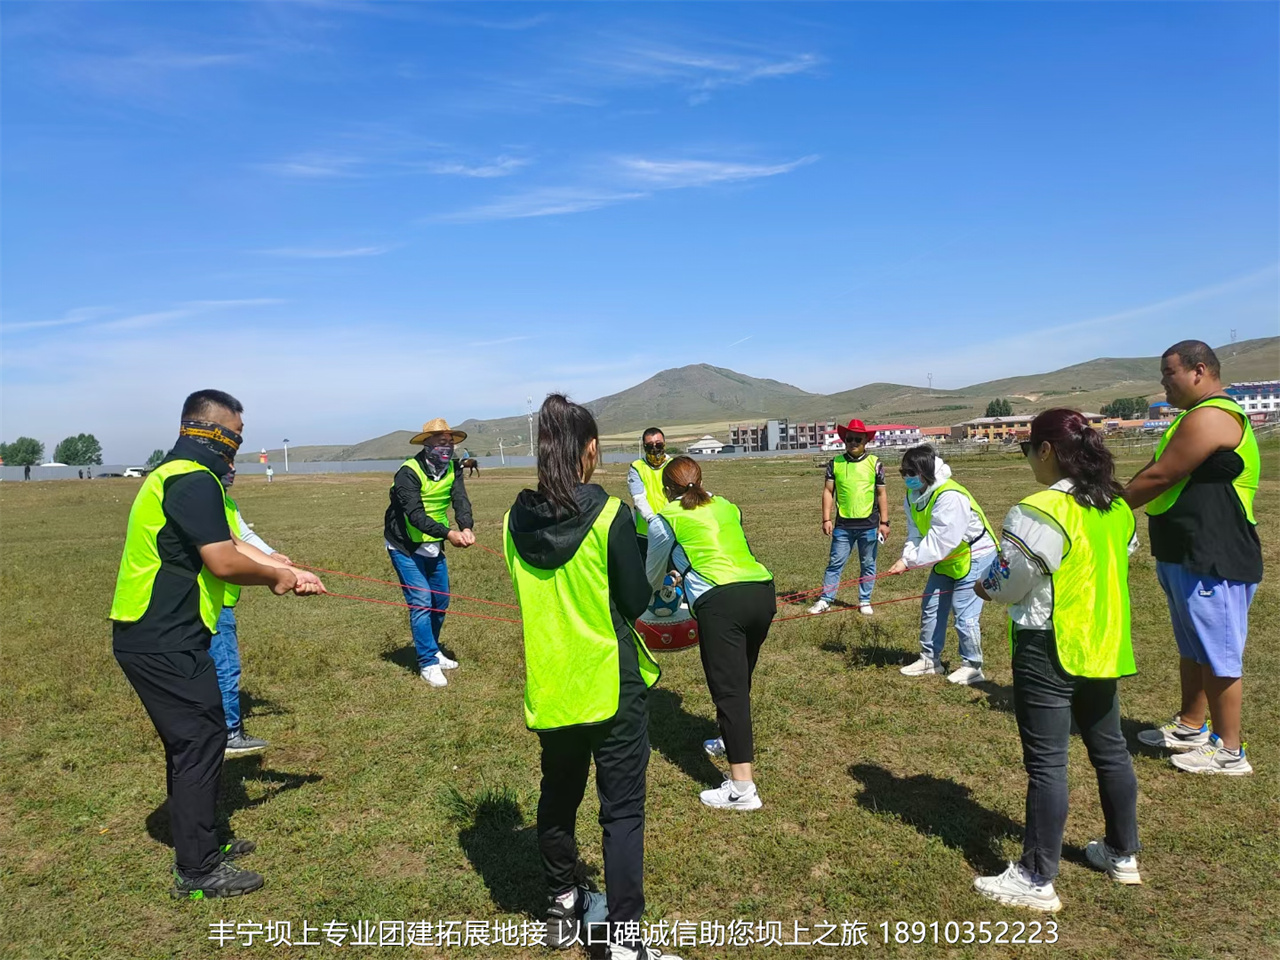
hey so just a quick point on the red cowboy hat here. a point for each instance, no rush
(855, 426)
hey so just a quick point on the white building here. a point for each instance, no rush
(706, 445)
(895, 435)
(1256, 396)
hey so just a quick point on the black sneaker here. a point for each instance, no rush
(224, 880)
(567, 926)
(236, 849)
(240, 744)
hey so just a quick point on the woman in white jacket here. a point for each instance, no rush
(946, 529)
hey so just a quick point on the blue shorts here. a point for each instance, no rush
(1210, 617)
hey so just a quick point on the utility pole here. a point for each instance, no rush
(529, 403)
(500, 454)
(930, 384)
(286, 454)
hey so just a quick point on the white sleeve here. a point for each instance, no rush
(657, 562)
(251, 538)
(913, 534)
(947, 528)
(638, 495)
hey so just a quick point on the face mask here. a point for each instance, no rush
(914, 484)
(441, 455)
(229, 479)
(214, 437)
(654, 457)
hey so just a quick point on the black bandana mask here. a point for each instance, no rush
(214, 437)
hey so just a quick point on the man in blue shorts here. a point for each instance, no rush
(1198, 491)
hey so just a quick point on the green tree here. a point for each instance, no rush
(156, 457)
(1126, 408)
(1000, 408)
(23, 452)
(79, 450)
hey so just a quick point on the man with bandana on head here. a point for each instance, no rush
(644, 481)
(180, 556)
(416, 528)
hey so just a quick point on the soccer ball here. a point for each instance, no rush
(666, 601)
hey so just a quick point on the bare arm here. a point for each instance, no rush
(1202, 433)
(828, 496)
(882, 504)
(237, 562)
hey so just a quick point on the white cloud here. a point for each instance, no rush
(308, 253)
(544, 202)
(700, 70)
(106, 318)
(672, 174)
(498, 167)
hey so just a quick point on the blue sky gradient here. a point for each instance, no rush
(357, 217)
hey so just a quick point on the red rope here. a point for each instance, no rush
(414, 606)
(801, 616)
(393, 583)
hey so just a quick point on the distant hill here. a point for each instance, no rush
(696, 399)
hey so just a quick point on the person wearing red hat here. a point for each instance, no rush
(855, 488)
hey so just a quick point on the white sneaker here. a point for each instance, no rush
(921, 668)
(967, 675)
(445, 663)
(714, 748)
(822, 606)
(726, 797)
(1120, 869)
(434, 675)
(866, 610)
(1175, 735)
(1014, 888)
(618, 952)
(1213, 757)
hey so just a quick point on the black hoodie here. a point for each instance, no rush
(545, 538)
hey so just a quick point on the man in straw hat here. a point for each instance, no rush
(854, 487)
(416, 528)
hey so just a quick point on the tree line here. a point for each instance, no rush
(81, 450)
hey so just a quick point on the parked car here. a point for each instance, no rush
(136, 472)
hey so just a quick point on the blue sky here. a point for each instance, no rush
(357, 217)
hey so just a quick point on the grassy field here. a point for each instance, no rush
(385, 799)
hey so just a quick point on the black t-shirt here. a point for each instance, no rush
(195, 517)
(858, 523)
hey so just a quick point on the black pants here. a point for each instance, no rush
(1045, 701)
(180, 693)
(621, 751)
(642, 541)
(733, 622)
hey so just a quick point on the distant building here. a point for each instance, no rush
(995, 429)
(1257, 396)
(935, 434)
(894, 435)
(779, 435)
(706, 445)
(1161, 411)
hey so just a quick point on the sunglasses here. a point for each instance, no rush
(1025, 447)
(655, 447)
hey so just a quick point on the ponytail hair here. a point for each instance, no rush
(682, 480)
(564, 430)
(1081, 455)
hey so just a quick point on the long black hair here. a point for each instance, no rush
(919, 460)
(564, 430)
(1081, 454)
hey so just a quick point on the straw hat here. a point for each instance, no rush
(438, 425)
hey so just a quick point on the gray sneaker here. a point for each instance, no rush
(224, 880)
(1175, 735)
(240, 744)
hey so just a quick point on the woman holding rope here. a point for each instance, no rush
(576, 569)
(946, 528)
(732, 597)
(1064, 571)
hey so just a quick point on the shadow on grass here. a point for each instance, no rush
(407, 656)
(999, 696)
(255, 706)
(938, 808)
(867, 644)
(503, 849)
(233, 795)
(678, 736)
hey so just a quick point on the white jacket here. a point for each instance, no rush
(953, 522)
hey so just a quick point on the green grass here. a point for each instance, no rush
(382, 798)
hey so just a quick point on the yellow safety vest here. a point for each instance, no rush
(571, 664)
(436, 497)
(855, 486)
(231, 595)
(140, 561)
(1245, 485)
(653, 492)
(712, 538)
(1091, 627)
(959, 562)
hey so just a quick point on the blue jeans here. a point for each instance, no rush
(842, 542)
(944, 596)
(225, 651)
(430, 575)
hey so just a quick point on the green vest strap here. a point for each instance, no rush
(140, 561)
(959, 562)
(570, 643)
(651, 477)
(231, 595)
(1091, 615)
(1245, 485)
(436, 497)
(855, 486)
(712, 538)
